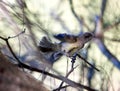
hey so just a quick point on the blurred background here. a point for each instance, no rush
(40, 18)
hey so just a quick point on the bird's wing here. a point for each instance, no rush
(66, 38)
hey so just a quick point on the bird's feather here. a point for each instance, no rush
(46, 45)
(66, 38)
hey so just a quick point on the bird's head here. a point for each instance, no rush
(86, 37)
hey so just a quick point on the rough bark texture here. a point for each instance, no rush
(13, 79)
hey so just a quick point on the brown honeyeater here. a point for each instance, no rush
(69, 44)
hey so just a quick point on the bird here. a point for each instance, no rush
(68, 45)
(71, 44)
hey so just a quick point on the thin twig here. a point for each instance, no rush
(103, 7)
(17, 34)
(88, 62)
(113, 39)
(80, 20)
(7, 42)
(115, 24)
(72, 69)
(57, 89)
(74, 13)
(73, 60)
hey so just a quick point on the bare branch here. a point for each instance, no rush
(10, 78)
(57, 17)
(103, 7)
(20, 64)
(17, 34)
(72, 69)
(81, 21)
(107, 53)
(6, 13)
(113, 39)
(7, 42)
(88, 62)
(74, 13)
(57, 89)
(115, 24)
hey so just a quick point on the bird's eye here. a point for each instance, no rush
(87, 35)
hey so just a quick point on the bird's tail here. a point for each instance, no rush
(46, 45)
(50, 50)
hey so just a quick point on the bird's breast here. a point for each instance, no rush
(69, 46)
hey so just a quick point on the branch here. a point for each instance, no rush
(103, 7)
(20, 64)
(74, 13)
(57, 89)
(113, 39)
(81, 22)
(115, 24)
(10, 78)
(7, 42)
(26, 20)
(90, 74)
(57, 17)
(107, 53)
(60, 87)
(88, 62)
(17, 34)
